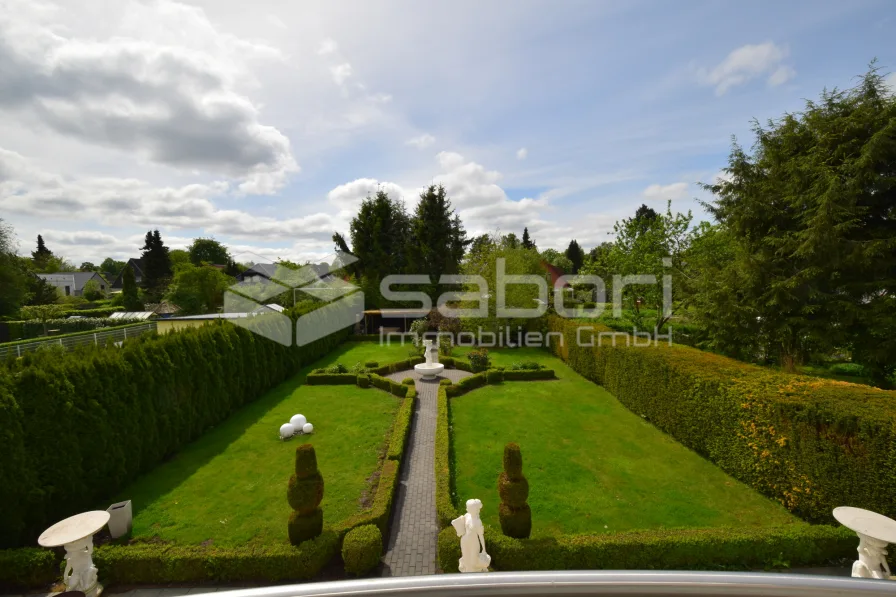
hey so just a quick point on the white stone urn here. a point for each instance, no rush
(432, 368)
(76, 535)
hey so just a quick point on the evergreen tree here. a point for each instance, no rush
(156, 266)
(514, 512)
(645, 214)
(130, 296)
(576, 255)
(511, 241)
(208, 250)
(304, 493)
(42, 255)
(439, 237)
(528, 243)
(13, 277)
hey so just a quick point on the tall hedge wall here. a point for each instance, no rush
(77, 427)
(812, 444)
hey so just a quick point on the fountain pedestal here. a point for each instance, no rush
(76, 534)
(875, 531)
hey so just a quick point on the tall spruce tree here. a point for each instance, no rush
(576, 255)
(439, 237)
(156, 266)
(129, 294)
(42, 254)
(528, 243)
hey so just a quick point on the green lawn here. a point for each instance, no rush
(229, 486)
(592, 465)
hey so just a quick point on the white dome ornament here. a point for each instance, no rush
(298, 421)
(307, 428)
(287, 431)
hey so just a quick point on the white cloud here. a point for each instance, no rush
(746, 63)
(424, 140)
(341, 72)
(676, 190)
(327, 46)
(522, 153)
(165, 88)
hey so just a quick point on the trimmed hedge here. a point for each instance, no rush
(97, 312)
(27, 567)
(362, 549)
(697, 549)
(32, 328)
(386, 384)
(331, 379)
(456, 363)
(466, 384)
(402, 426)
(397, 366)
(120, 412)
(812, 444)
(152, 563)
(528, 374)
(445, 509)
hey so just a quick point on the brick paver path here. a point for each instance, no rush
(415, 529)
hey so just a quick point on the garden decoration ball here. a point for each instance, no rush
(307, 428)
(471, 532)
(298, 421)
(287, 430)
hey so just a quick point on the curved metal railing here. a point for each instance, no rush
(629, 583)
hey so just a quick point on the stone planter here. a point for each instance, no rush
(120, 519)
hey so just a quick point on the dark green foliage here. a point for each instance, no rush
(304, 494)
(525, 365)
(332, 379)
(440, 238)
(129, 294)
(811, 444)
(362, 549)
(156, 266)
(42, 254)
(14, 277)
(445, 510)
(34, 328)
(402, 426)
(150, 563)
(479, 360)
(408, 381)
(466, 384)
(28, 567)
(139, 404)
(208, 251)
(854, 369)
(576, 256)
(528, 243)
(513, 512)
(529, 374)
(371, 364)
(445, 382)
(364, 381)
(699, 549)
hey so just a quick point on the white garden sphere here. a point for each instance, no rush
(298, 421)
(287, 430)
(307, 428)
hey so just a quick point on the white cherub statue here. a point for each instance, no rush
(470, 530)
(80, 573)
(427, 350)
(872, 562)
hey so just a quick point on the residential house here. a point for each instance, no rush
(72, 283)
(134, 264)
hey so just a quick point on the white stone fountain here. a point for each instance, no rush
(76, 534)
(432, 368)
(875, 532)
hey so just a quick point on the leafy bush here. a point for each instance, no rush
(408, 381)
(304, 493)
(371, 364)
(445, 382)
(691, 549)
(359, 369)
(525, 366)
(362, 549)
(337, 368)
(166, 391)
(854, 369)
(479, 360)
(812, 444)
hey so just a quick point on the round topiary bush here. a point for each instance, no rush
(445, 382)
(304, 493)
(362, 549)
(408, 381)
(513, 512)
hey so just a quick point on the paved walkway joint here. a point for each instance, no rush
(414, 531)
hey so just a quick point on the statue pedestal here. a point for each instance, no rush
(76, 535)
(875, 531)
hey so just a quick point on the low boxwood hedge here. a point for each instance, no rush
(687, 549)
(466, 384)
(331, 379)
(812, 444)
(27, 567)
(456, 363)
(152, 563)
(402, 426)
(528, 374)
(445, 510)
(362, 549)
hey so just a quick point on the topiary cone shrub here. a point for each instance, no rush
(304, 493)
(362, 549)
(514, 513)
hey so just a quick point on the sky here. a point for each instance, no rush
(264, 124)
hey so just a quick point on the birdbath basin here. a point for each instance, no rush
(875, 531)
(76, 535)
(429, 371)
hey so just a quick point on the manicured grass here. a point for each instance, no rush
(592, 466)
(229, 487)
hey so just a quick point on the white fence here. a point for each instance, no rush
(99, 338)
